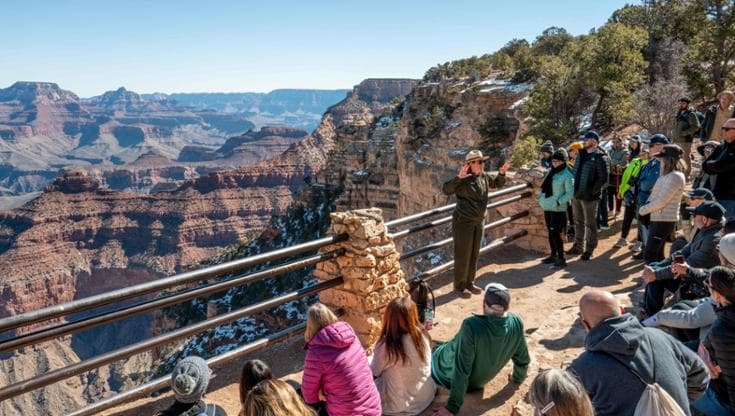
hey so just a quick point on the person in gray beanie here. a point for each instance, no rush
(189, 381)
(545, 152)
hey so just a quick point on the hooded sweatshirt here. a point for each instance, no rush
(478, 352)
(336, 364)
(653, 354)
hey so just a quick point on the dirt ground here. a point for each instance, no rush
(545, 298)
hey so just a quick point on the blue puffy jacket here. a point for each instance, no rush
(648, 177)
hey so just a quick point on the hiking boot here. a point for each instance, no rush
(575, 251)
(548, 260)
(586, 255)
(636, 247)
(464, 294)
(560, 264)
(476, 290)
(621, 243)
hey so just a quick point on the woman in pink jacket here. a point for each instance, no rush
(336, 368)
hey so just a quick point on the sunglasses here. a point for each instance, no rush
(479, 162)
(728, 128)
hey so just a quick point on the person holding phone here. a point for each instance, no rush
(702, 250)
(470, 187)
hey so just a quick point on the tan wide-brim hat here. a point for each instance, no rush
(726, 92)
(474, 155)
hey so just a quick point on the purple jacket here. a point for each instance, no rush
(336, 364)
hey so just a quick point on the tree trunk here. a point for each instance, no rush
(596, 112)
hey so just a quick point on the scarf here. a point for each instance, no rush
(546, 187)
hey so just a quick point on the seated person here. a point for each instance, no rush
(617, 345)
(253, 372)
(718, 349)
(274, 398)
(189, 381)
(402, 361)
(481, 348)
(689, 320)
(700, 252)
(694, 199)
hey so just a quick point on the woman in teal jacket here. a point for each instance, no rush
(557, 190)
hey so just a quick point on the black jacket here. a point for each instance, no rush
(722, 164)
(590, 174)
(709, 121)
(721, 344)
(654, 355)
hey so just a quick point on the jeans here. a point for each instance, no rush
(585, 229)
(555, 224)
(710, 405)
(658, 232)
(729, 205)
(654, 294)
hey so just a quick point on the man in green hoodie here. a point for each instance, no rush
(481, 348)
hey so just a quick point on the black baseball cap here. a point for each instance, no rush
(657, 139)
(701, 193)
(709, 209)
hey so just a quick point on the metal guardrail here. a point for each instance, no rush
(428, 274)
(91, 322)
(100, 360)
(431, 224)
(446, 208)
(56, 311)
(206, 273)
(433, 246)
(163, 382)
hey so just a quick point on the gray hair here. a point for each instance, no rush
(557, 392)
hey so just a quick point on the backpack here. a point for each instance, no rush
(421, 294)
(655, 400)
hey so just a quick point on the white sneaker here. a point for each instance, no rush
(621, 243)
(636, 247)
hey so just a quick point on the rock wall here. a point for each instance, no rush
(370, 269)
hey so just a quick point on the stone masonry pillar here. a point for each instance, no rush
(371, 272)
(538, 238)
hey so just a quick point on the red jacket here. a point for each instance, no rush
(336, 364)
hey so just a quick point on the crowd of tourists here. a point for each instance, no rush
(674, 356)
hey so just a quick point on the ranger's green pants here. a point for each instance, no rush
(467, 239)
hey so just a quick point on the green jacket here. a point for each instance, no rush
(472, 195)
(631, 172)
(478, 352)
(687, 124)
(562, 186)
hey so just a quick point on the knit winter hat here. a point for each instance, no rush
(727, 248)
(547, 147)
(560, 154)
(189, 379)
(497, 294)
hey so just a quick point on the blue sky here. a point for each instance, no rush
(191, 46)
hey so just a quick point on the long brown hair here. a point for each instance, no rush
(401, 318)
(275, 398)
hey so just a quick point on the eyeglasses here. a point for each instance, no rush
(479, 162)
(728, 128)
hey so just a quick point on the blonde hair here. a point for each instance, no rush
(556, 392)
(317, 317)
(274, 398)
